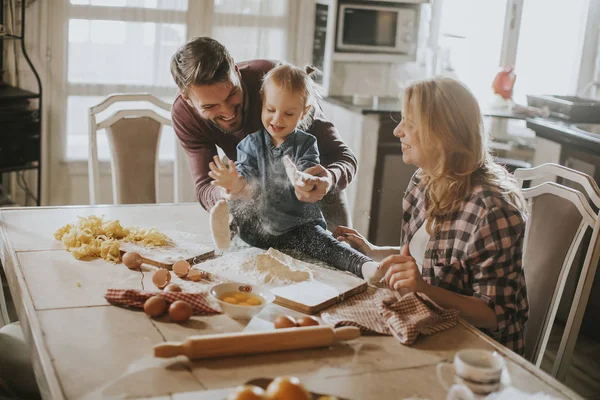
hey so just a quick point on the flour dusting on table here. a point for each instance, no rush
(251, 265)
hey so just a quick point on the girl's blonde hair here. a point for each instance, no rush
(450, 131)
(295, 80)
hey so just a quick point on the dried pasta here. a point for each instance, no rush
(94, 237)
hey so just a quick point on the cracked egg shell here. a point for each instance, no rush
(181, 268)
(161, 278)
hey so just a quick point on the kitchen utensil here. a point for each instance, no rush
(240, 343)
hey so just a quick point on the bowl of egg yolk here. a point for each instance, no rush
(241, 300)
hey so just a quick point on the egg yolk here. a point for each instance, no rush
(240, 296)
(242, 299)
(254, 301)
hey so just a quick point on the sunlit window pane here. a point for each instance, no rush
(247, 43)
(252, 7)
(129, 53)
(179, 5)
(549, 52)
(472, 33)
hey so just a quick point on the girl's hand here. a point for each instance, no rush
(402, 273)
(226, 176)
(354, 239)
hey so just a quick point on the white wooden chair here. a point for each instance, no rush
(134, 139)
(560, 217)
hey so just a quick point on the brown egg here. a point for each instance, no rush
(181, 268)
(287, 388)
(173, 288)
(132, 260)
(247, 392)
(195, 275)
(284, 321)
(155, 306)
(307, 321)
(180, 311)
(161, 278)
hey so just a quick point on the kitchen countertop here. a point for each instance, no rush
(565, 133)
(550, 128)
(380, 105)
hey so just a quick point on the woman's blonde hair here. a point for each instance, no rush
(450, 132)
(295, 80)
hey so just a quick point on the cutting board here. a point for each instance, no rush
(328, 288)
(185, 246)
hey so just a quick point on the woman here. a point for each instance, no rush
(463, 216)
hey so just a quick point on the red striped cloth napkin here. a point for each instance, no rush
(380, 311)
(201, 303)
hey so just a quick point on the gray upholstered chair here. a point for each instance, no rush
(134, 139)
(560, 217)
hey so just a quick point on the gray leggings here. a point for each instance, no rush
(310, 239)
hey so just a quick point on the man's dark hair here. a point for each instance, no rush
(201, 61)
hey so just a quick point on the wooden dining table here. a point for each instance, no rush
(84, 348)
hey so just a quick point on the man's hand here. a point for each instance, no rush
(314, 184)
(226, 176)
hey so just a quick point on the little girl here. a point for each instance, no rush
(264, 203)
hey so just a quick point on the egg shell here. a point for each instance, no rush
(194, 275)
(287, 388)
(180, 311)
(132, 260)
(161, 278)
(173, 288)
(284, 321)
(307, 321)
(247, 392)
(155, 306)
(181, 268)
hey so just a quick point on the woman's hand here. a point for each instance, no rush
(354, 239)
(402, 273)
(226, 176)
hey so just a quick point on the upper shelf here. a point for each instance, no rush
(11, 92)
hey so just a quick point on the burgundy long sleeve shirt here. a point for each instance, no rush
(200, 139)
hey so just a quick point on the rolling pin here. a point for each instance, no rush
(231, 344)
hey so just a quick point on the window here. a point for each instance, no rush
(125, 46)
(471, 41)
(253, 29)
(119, 46)
(542, 38)
(550, 48)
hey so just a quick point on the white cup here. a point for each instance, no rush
(479, 370)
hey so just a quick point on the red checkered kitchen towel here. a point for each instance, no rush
(133, 298)
(380, 311)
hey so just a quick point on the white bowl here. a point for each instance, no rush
(241, 312)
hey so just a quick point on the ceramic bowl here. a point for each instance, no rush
(236, 311)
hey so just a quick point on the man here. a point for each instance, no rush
(219, 104)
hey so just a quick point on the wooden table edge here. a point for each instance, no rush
(523, 363)
(45, 372)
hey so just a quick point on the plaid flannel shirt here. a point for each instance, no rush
(477, 253)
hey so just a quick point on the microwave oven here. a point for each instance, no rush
(376, 28)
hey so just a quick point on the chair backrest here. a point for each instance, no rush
(559, 218)
(134, 139)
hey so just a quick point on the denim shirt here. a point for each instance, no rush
(261, 165)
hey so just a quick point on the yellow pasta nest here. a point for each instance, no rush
(94, 237)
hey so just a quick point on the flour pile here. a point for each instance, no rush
(271, 268)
